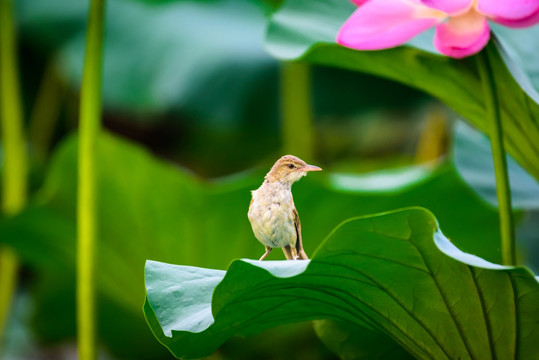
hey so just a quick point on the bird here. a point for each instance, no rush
(272, 213)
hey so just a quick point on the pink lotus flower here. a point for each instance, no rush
(461, 25)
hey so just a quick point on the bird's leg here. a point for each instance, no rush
(268, 250)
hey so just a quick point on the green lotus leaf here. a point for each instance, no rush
(305, 30)
(520, 57)
(394, 274)
(353, 342)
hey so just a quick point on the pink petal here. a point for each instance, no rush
(512, 13)
(359, 2)
(463, 35)
(381, 24)
(451, 7)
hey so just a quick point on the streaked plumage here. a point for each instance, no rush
(272, 212)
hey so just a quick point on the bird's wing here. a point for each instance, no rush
(299, 241)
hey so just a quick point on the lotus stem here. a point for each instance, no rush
(296, 110)
(14, 153)
(44, 116)
(89, 128)
(495, 130)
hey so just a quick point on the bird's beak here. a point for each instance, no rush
(311, 168)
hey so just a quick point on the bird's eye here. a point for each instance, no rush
(291, 166)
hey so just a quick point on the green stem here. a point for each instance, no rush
(14, 164)
(498, 154)
(8, 280)
(45, 112)
(89, 127)
(296, 114)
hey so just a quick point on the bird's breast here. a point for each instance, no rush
(271, 216)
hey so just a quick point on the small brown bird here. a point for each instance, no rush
(272, 213)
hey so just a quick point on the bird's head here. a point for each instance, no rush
(289, 169)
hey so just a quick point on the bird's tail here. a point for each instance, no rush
(301, 255)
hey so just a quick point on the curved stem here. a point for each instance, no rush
(503, 190)
(14, 164)
(89, 126)
(296, 115)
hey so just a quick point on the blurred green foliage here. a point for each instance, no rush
(191, 81)
(149, 209)
(185, 78)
